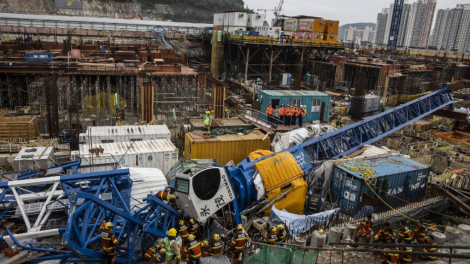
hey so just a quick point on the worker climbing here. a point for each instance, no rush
(108, 241)
(365, 229)
(183, 229)
(165, 196)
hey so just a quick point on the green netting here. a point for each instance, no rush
(270, 255)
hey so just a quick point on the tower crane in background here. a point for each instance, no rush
(395, 25)
(277, 10)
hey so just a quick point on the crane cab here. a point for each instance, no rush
(204, 193)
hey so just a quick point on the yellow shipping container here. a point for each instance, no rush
(331, 37)
(224, 148)
(332, 26)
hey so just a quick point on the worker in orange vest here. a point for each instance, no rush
(303, 112)
(183, 229)
(271, 238)
(407, 258)
(429, 241)
(365, 228)
(393, 258)
(238, 243)
(206, 249)
(281, 233)
(420, 232)
(195, 249)
(165, 196)
(282, 112)
(287, 115)
(404, 233)
(150, 253)
(216, 246)
(108, 241)
(295, 114)
(269, 113)
(185, 255)
(193, 227)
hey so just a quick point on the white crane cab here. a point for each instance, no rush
(204, 193)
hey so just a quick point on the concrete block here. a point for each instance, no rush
(464, 228)
(350, 231)
(334, 235)
(439, 238)
(451, 234)
(318, 239)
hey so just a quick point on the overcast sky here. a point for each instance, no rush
(346, 11)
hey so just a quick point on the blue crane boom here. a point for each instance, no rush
(395, 25)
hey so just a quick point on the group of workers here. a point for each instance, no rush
(403, 237)
(192, 250)
(276, 235)
(288, 114)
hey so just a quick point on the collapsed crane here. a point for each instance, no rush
(88, 199)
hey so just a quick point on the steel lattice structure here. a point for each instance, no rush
(395, 25)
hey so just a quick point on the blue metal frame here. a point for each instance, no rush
(351, 138)
(74, 165)
(395, 25)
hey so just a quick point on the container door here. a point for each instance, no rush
(322, 112)
(275, 102)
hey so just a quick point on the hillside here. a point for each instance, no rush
(359, 26)
(175, 10)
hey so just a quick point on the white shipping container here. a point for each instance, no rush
(145, 181)
(231, 30)
(159, 153)
(235, 19)
(114, 134)
(219, 19)
(255, 20)
(274, 32)
(34, 158)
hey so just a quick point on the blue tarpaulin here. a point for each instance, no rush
(298, 224)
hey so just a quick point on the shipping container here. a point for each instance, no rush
(159, 153)
(316, 103)
(235, 19)
(265, 31)
(219, 19)
(114, 134)
(371, 103)
(224, 148)
(34, 158)
(332, 27)
(394, 178)
(255, 20)
(330, 37)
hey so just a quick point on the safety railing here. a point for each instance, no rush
(260, 118)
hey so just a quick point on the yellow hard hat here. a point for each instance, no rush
(173, 196)
(157, 245)
(273, 229)
(162, 251)
(206, 243)
(181, 222)
(191, 237)
(108, 225)
(240, 227)
(216, 237)
(208, 112)
(172, 232)
(321, 231)
(168, 190)
(192, 221)
(376, 237)
(280, 226)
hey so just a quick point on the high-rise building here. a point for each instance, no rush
(349, 33)
(452, 29)
(381, 28)
(358, 36)
(415, 24)
(372, 36)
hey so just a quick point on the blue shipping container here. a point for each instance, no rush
(397, 180)
(314, 101)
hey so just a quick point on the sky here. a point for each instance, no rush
(346, 11)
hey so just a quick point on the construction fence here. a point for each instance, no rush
(287, 254)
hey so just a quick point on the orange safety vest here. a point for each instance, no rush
(365, 226)
(194, 228)
(282, 233)
(269, 110)
(303, 112)
(289, 112)
(216, 248)
(271, 239)
(195, 249)
(163, 195)
(108, 240)
(149, 253)
(183, 229)
(393, 258)
(385, 233)
(185, 253)
(298, 112)
(206, 251)
(406, 258)
(433, 250)
(239, 240)
(281, 111)
(405, 233)
(420, 232)
(295, 111)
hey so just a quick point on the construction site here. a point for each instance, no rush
(243, 141)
